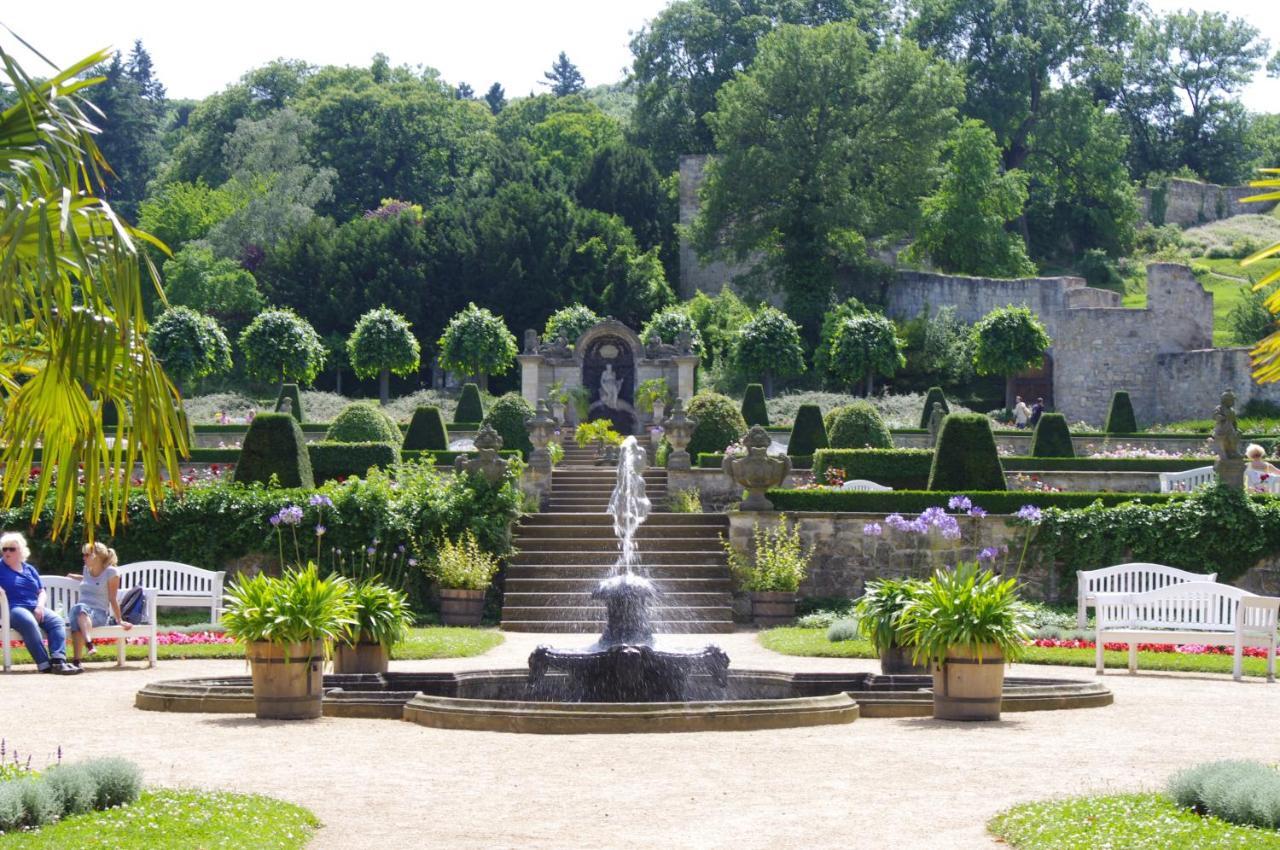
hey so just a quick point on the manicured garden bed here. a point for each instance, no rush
(1129, 821)
(179, 820)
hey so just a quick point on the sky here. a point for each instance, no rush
(478, 42)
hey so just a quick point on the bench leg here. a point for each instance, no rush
(120, 652)
(1133, 656)
(1271, 661)
(151, 653)
(1100, 666)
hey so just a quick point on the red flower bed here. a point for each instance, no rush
(1184, 648)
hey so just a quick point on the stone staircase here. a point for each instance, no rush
(564, 552)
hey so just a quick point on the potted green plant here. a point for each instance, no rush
(967, 622)
(579, 401)
(771, 571)
(558, 398)
(382, 619)
(287, 624)
(600, 432)
(464, 571)
(652, 397)
(879, 616)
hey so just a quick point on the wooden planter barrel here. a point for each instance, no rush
(968, 686)
(461, 607)
(771, 608)
(288, 680)
(896, 661)
(364, 657)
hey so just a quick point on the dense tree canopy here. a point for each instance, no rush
(383, 343)
(769, 345)
(280, 346)
(189, 345)
(864, 346)
(1006, 341)
(476, 342)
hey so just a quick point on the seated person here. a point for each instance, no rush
(99, 603)
(1258, 474)
(27, 612)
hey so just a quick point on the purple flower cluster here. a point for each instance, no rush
(990, 553)
(321, 501)
(1030, 514)
(964, 504)
(872, 529)
(291, 515)
(932, 518)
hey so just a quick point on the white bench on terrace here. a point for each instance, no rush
(177, 585)
(863, 485)
(1189, 612)
(60, 595)
(1187, 479)
(1126, 578)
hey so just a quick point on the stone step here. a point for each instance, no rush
(587, 585)
(650, 531)
(593, 627)
(559, 543)
(659, 613)
(599, 572)
(667, 519)
(577, 600)
(647, 558)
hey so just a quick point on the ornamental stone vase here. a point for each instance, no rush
(489, 465)
(757, 471)
(678, 430)
(659, 410)
(541, 427)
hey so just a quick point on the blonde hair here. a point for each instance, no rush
(1255, 452)
(14, 537)
(101, 551)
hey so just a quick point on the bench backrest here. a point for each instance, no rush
(1187, 479)
(863, 485)
(170, 578)
(1134, 578)
(1201, 605)
(61, 593)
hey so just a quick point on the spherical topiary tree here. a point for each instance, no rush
(935, 394)
(570, 322)
(382, 343)
(469, 408)
(1006, 341)
(476, 342)
(280, 345)
(966, 456)
(189, 345)
(719, 423)
(427, 430)
(1120, 418)
(274, 445)
(754, 411)
(506, 416)
(865, 346)
(808, 433)
(1052, 437)
(362, 422)
(857, 426)
(668, 324)
(769, 345)
(290, 392)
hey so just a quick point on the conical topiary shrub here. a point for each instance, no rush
(754, 411)
(274, 445)
(427, 430)
(1052, 437)
(857, 426)
(966, 456)
(808, 434)
(469, 407)
(935, 394)
(290, 391)
(1120, 418)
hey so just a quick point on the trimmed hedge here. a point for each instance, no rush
(808, 433)
(915, 501)
(426, 430)
(331, 461)
(361, 422)
(857, 426)
(713, 460)
(274, 445)
(754, 411)
(1052, 437)
(1120, 418)
(464, 426)
(934, 394)
(966, 455)
(507, 417)
(469, 407)
(719, 423)
(290, 391)
(445, 459)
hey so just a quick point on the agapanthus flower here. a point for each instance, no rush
(1030, 513)
(959, 503)
(872, 529)
(320, 530)
(989, 554)
(976, 511)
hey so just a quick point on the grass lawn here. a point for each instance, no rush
(1129, 821)
(179, 820)
(430, 642)
(813, 642)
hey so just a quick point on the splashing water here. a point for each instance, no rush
(629, 505)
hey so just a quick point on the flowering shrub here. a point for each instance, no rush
(1125, 451)
(1183, 648)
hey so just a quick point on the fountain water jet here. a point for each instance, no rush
(624, 665)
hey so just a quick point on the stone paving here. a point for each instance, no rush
(876, 783)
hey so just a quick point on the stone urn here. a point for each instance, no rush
(488, 464)
(541, 427)
(659, 410)
(678, 429)
(557, 411)
(757, 471)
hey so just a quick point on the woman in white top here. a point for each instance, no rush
(99, 598)
(1020, 413)
(1260, 475)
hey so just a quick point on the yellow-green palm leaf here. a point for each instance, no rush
(71, 312)
(1266, 354)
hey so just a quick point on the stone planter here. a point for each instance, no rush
(363, 657)
(659, 411)
(757, 471)
(968, 686)
(557, 411)
(770, 608)
(460, 607)
(288, 680)
(896, 661)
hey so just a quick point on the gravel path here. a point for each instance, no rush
(876, 783)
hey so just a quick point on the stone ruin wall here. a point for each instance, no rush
(1188, 203)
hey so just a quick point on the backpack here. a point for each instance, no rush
(133, 605)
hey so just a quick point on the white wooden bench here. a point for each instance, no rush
(60, 595)
(177, 585)
(865, 486)
(1187, 479)
(1189, 612)
(1126, 578)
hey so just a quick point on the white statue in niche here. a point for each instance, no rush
(610, 386)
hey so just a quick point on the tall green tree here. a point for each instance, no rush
(769, 346)
(564, 78)
(1006, 341)
(964, 223)
(476, 342)
(382, 343)
(219, 288)
(131, 102)
(496, 98)
(279, 345)
(182, 212)
(822, 143)
(190, 345)
(865, 346)
(622, 181)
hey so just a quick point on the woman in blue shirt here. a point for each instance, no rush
(27, 612)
